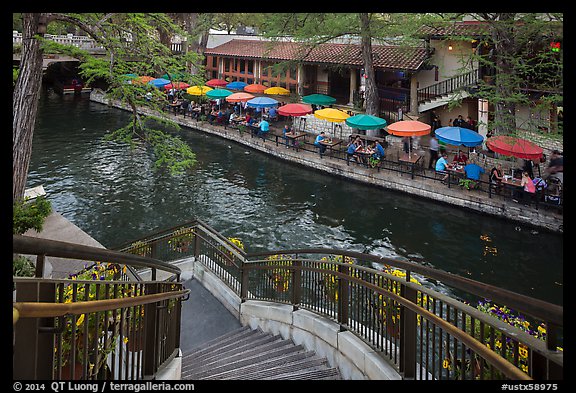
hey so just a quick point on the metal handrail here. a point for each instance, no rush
(51, 310)
(534, 307)
(38, 246)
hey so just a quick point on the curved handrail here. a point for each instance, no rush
(534, 307)
(55, 248)
(51, 310)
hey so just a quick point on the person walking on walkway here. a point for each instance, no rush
(434, 146)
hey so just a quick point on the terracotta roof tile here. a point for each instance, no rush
(467, 28)
(393, 57)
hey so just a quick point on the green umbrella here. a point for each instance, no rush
(175, 76)
(319, 99)
(218, 93)
(366, 122)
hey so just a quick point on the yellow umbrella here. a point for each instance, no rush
(280, 91)
(332, 115)
(198, 90)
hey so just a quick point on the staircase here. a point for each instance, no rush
(254, 355)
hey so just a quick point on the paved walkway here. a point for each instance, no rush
(56, 227)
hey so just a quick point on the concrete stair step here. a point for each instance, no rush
(250, 370)
(254, 355)
(241, 358)
(265, 370)
(219, 351)
(229, 337)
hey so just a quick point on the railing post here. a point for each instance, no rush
(408, 333)
(33, 357)
(343, 289)
(151, 342)
(243, 281)
(296, 284)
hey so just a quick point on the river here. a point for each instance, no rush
(115, 195)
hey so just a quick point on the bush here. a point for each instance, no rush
(23, 267)
(30, 214)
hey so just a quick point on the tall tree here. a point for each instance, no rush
(25, 100)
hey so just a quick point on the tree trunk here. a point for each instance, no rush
(505, 49)
(25, 103)
(371, 93)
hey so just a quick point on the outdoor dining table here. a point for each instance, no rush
(512, 184)
(331, 144)
(364, 153)
(293, 136)
(456, 171)
(411, 160)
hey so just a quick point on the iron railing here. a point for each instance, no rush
(117, 328)
(402, 311)
(448, 86)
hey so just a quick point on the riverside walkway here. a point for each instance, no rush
(422, 185)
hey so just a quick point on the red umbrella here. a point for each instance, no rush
(513, 146)
(216, 83)
(295, 110)
(177, 85)
(409, 128)
(255, 88)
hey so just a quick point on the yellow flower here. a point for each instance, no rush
(80, 320)
(125, 340)
(523, 351)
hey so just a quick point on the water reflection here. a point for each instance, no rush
(114, 194)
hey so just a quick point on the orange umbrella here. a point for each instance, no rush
(409, 128)
(142, 80)
(255, 88)
(239, 97)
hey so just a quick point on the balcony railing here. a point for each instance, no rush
(448, 86)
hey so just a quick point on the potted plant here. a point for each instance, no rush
(140, 248)
(329, 282)
(91, 336)
(181, 239)
(280, 277)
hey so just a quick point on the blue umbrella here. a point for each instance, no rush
(262, 102)
(159, 82)
(236, 85)
(459, 136)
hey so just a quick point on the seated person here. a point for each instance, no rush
(320, 138)
(264, 128)
(273, 114)
(379, 151)
(441, 165)
(213, 115)
(351, 151)
(233, 117)
(185, 107)
(287, 130)
(473, 171)
(460, 158)
(496, 176)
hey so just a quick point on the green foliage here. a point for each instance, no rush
(30, 214)
(23, 267)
